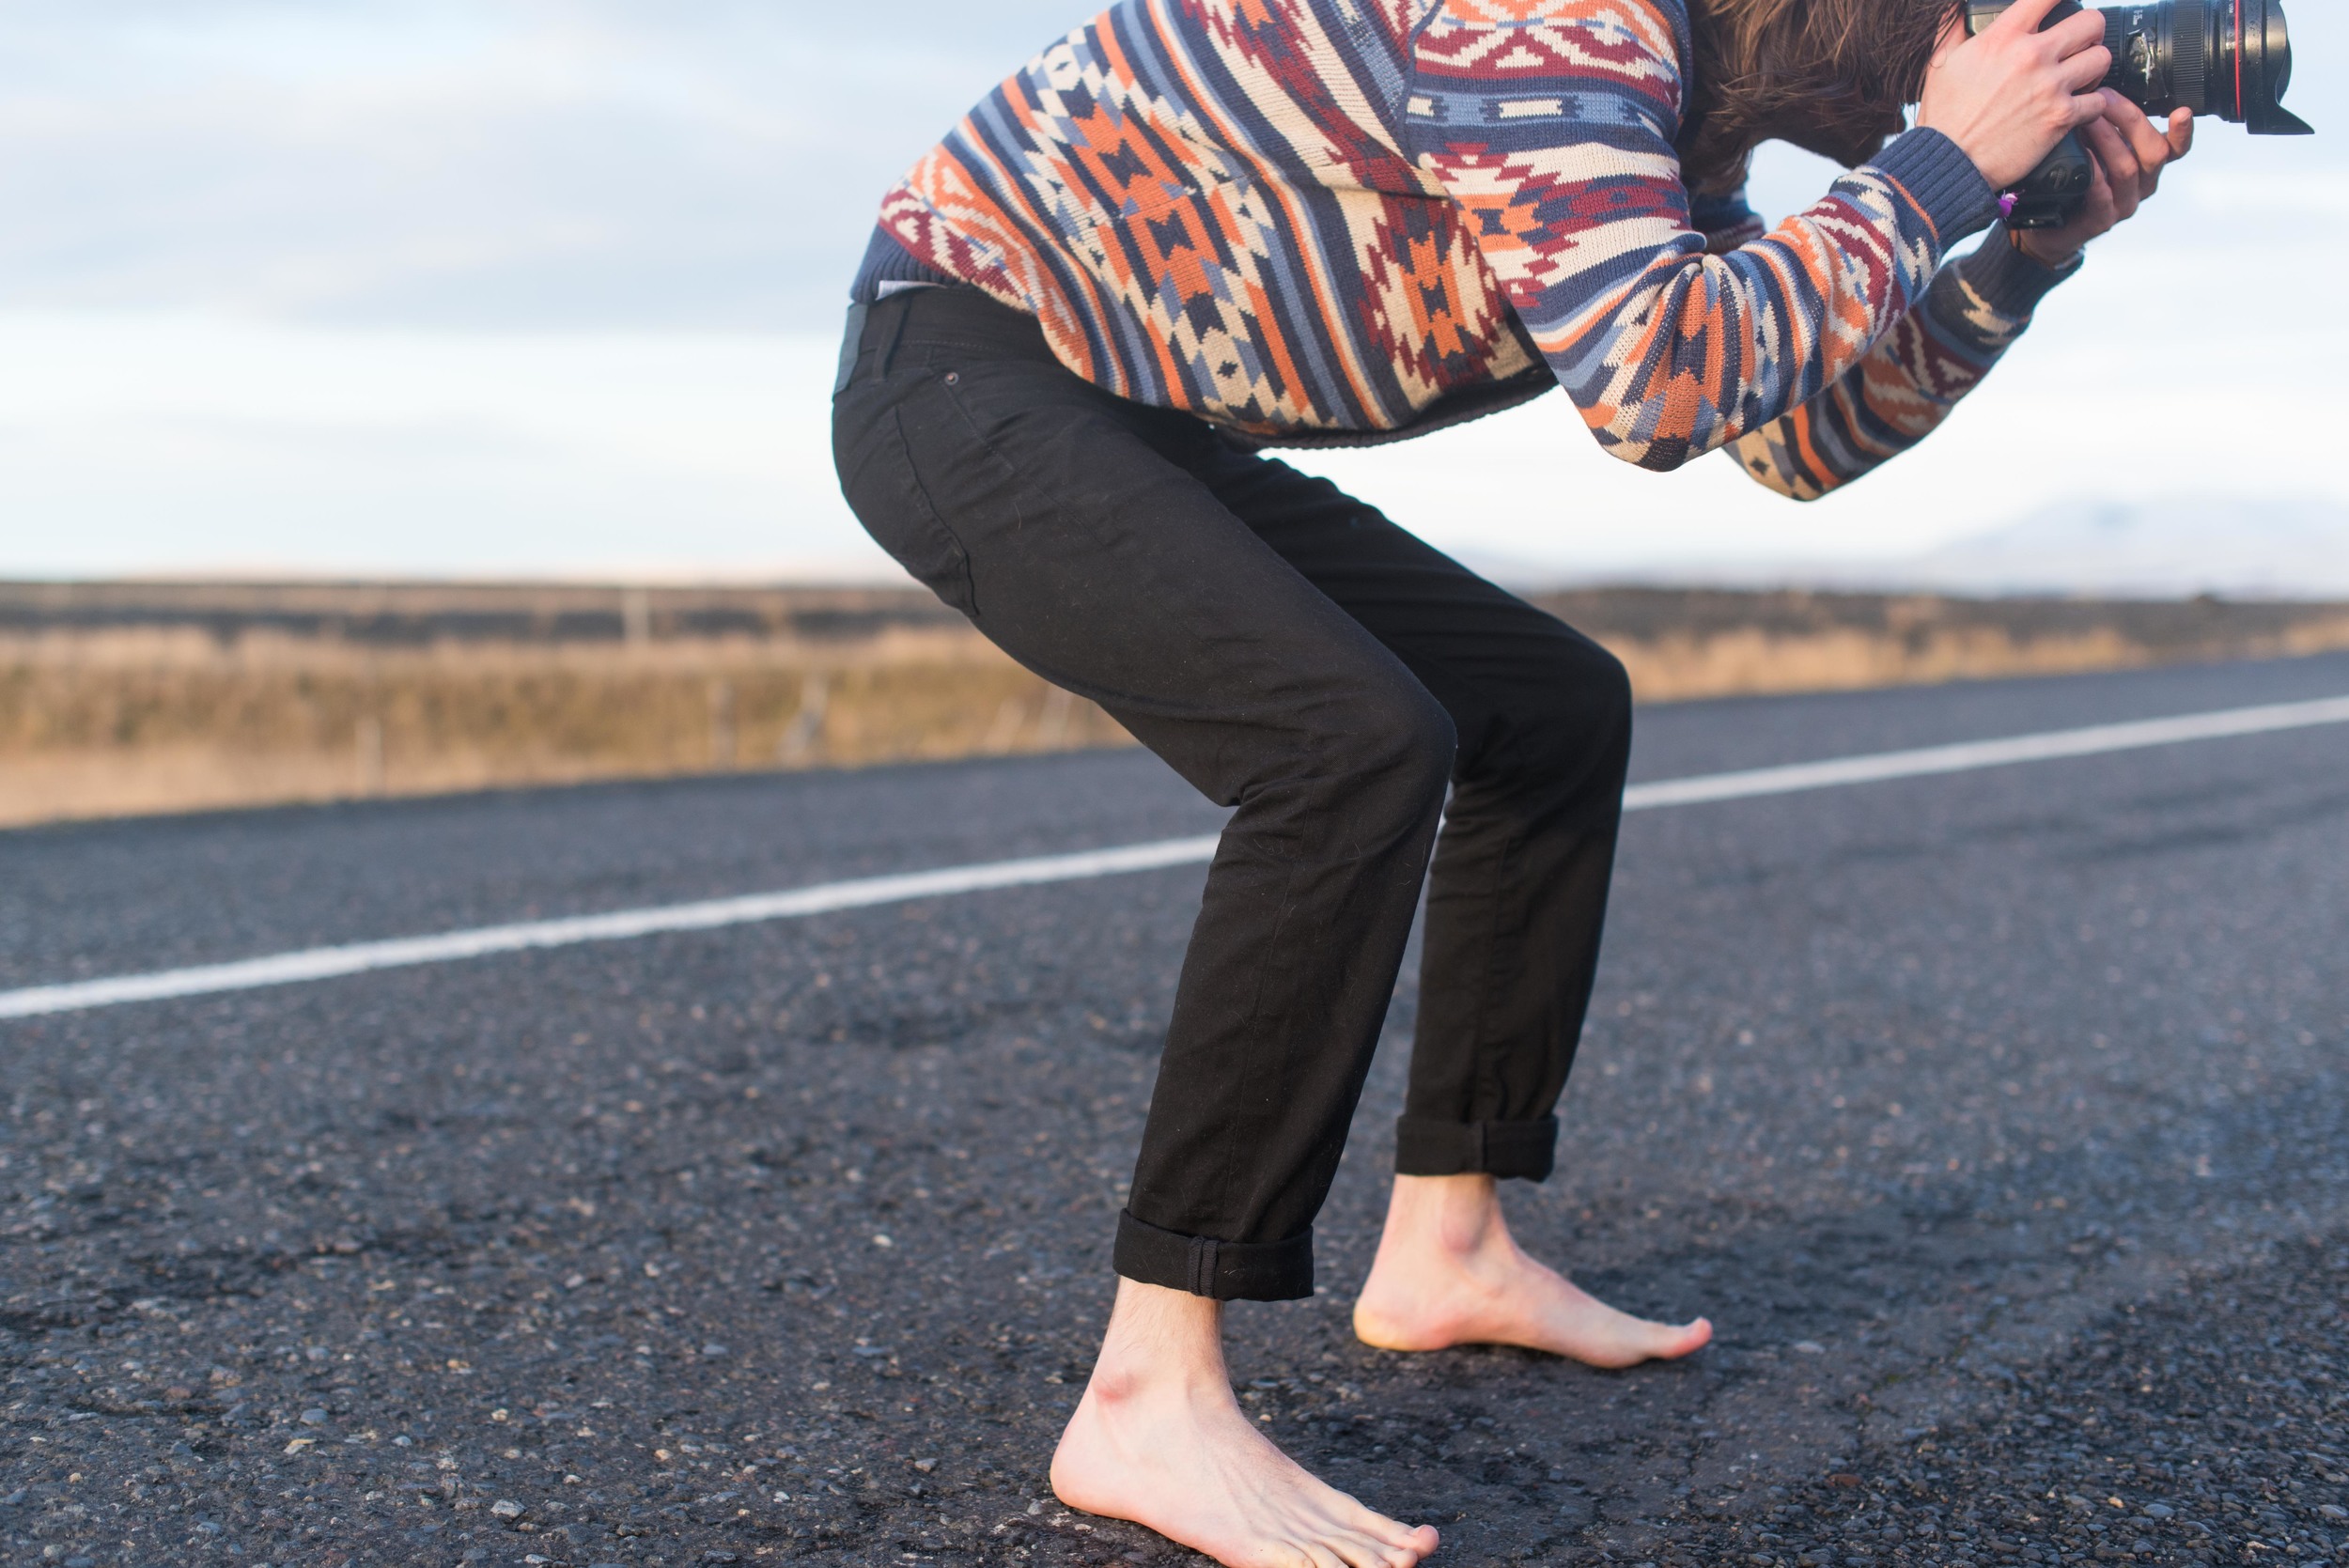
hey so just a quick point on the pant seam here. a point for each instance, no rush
(1227, 1175)
(1485, 1092)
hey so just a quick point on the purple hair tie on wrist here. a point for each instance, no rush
(2006, 205)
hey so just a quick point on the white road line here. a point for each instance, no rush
(1966, 757)
(322, 963)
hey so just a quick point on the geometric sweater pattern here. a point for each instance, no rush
(1320, 222)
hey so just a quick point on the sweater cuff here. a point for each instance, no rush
(2008, 281)
(1934, 173)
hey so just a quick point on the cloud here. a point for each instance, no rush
(551, 285)
(491, 164)
(569, 165)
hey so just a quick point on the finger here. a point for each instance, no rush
(2104, 201)
(2087, 109)
(2108, 161)
(2118, 110)
(2079, 33)
(2118, 154)
(2145, 138)
(2153, 156)
(2084, 72)
(2024, 16)
(2181, 134)
(2116, 118)
(2115, 168)
(2113, 154)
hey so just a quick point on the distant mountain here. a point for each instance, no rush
(2281, 549)
(2165, 549)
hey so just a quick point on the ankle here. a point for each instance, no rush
(1160, 1343)
(1457, 1216)
(1126, 1381)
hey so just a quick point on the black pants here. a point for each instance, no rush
(1291, 653)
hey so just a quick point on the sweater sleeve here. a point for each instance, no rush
(1726, 221)
(1552, 124)
(1910, 382)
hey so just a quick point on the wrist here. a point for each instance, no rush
(2034, 245)
(2000, 274)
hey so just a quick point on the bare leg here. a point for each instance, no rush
(1449, 1273)
(1158, 1439)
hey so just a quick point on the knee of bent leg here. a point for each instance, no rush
(1607, 704)
(1394, 740)
(1578, 702)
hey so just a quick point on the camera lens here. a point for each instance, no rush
(2161, 53)
(2231, 58)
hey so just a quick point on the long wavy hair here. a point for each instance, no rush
(1831, 76)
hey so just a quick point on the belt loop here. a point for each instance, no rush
(851, 345)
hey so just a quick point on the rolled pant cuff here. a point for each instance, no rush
(1424, 1146)
(1224, 1270)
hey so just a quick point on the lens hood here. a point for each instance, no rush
(2259, 56)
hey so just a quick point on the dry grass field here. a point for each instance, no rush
(120, 698)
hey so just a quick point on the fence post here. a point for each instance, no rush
(1002, 735)
(798, 746)
(368, 740)
(720, 722)
(1052, 730)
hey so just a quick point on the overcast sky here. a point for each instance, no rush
(553, 286)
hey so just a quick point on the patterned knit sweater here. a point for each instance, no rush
(1318, 221)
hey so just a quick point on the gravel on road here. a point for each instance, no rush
(1996, 1120)
(2210, 1425)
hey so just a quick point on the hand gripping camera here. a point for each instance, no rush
(2225, 57)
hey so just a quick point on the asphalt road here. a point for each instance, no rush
(1996, 1119)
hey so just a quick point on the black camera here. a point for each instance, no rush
(2231, 58)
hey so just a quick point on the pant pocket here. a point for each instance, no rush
(877, 474)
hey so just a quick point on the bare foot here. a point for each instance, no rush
(1449, 1273)
(1158, 1439)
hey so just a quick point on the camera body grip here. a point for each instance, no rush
(2052, 194)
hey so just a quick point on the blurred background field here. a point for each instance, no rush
(131, 697)
(460, 293)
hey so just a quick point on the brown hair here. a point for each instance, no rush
(1830, 76)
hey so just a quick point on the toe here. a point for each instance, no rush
(1279, 1554)
(1408, 1538)
(1368, 1551)
(1400, 1545)
(1690, 1336)
(1356, 1519)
